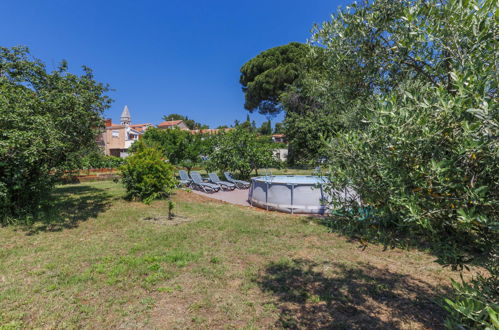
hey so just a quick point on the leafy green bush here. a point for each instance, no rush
(147, 176)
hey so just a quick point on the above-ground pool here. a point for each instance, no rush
(289, 193)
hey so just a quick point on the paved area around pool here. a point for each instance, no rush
(238, 196)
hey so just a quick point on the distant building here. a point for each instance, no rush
(117, 139)
(281, 154)
(170, 124)
(279, 138)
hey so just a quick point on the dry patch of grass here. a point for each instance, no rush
(95, 263)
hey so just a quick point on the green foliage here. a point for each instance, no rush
(370, 48)
(428, 162)
(242, 151)
(191, 124)
(48, 121)
(178, 146)
(98, 160)
(319, 104)
(308, 136)
(279, 128)
(266, 128)
(146, 175)
(475, 304)
(265, 77)
(426, 157)
(413, 130)
(171, 207)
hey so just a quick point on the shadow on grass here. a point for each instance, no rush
(70, 205)
(458, 255)
(361, 297)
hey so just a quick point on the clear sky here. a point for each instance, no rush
(162, 57)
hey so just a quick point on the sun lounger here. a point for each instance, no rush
(239, 183)
(197, 182)
(184, 178)
(224, 184)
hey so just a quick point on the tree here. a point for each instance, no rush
(433, 107)
(253, 126)
(147, 175)
(48, 121)
(284, 79)
(196, 145)
(178, 146)
(279, 128)
(265, 77)
(266, 128)
(242, 151)
(419, 144)
(190, 123)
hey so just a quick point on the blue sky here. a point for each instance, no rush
(162, 57)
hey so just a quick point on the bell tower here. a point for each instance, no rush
(125, 117)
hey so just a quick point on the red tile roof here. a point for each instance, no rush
(140, 127)
(136, 125)
(170, 123)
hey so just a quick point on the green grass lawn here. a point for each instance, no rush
(96, 263)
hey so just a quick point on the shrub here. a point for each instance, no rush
(147, 176)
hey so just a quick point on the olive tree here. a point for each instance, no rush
(423, 156)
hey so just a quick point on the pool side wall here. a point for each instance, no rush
(287, 197)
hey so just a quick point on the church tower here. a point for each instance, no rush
(125, 117)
